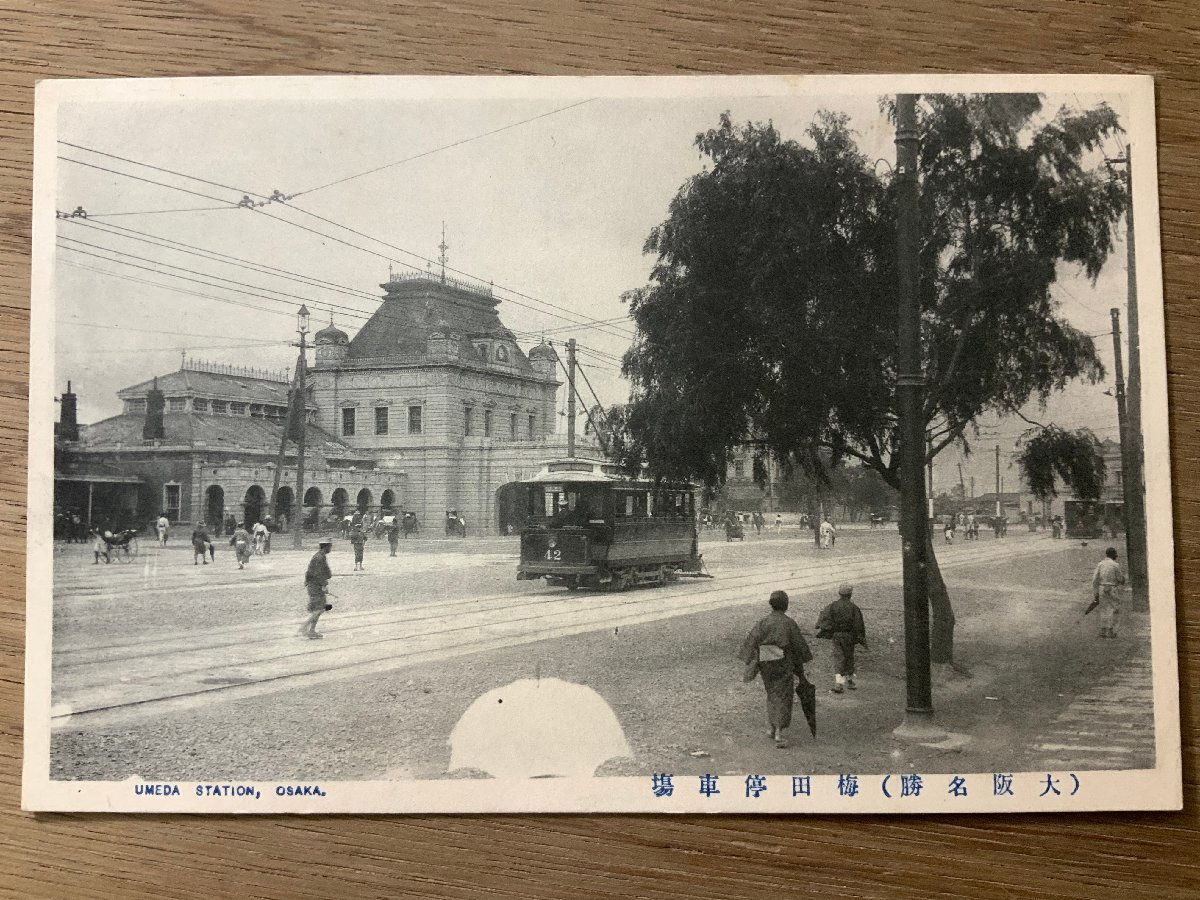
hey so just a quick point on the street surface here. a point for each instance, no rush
(172, 670)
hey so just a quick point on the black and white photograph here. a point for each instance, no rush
(700, 444)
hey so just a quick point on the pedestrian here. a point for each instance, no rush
(260, 538)
(358, 540)
(242, 544)
(163, 525)
(200, 545)
(316, 582)
(778, 521)
(1106, 584)
(842, 623)
(393, 535)
(826, 534)
(949, 532)
(776, 650)
(99, 548)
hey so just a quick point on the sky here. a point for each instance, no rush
(549, 199)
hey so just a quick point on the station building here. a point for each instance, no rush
(431, 406)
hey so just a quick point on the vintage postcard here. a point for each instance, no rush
(755, 444)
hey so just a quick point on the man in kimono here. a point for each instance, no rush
(200, 545)
(777, 651)
(316, 580)
(243, 545)
(358, 540)
(842, 623)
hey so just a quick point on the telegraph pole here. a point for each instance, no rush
(910, 382)
(571, 398)
(1128, 484)
(999, 506)
(1132, 465)
(301, 420)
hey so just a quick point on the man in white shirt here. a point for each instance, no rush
(163, 524)
(1106, 585)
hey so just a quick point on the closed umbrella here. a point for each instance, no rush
(807, 692)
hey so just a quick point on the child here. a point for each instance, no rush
(842, 622)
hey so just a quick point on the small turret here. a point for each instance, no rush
(332, 345)
(544, 360)
(67, 428)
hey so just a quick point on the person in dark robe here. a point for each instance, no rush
(358, 540)
(842, 623)
(776, 650)
(316, 581)
(199, 545)
(243, 545)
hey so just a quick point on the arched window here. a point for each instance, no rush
(502, 353)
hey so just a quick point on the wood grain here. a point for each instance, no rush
(521, 856)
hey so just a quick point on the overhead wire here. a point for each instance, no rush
(563, 314)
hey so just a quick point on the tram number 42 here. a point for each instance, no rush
(554, 555)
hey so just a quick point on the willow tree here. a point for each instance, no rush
(770, 312)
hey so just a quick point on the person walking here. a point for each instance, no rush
(200, 545)
(776, 650)
(99, 548)
(242, 544)
(163, 524)
(1107, 581)
(260, 538)
(826, 534)
(358, 540)
(316, 583)
(842, 623)
(393, 535)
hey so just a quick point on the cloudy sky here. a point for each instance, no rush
(550, 198)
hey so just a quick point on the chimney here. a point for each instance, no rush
(156, 402)
(68, 422)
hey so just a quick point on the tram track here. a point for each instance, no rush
(211, 671)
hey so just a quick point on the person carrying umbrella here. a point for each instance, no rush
(316, 582)
(776, 650)
(1106, 584)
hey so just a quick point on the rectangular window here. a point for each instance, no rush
(237, 409)
(381, 420)
(256, 410)
(348, 421)
(414, 419)
(512, 427)
(532, 427)
(176, 404)
(487, 423)
(137, 406)
(739, 468)
(220, 407)
(199, 405)
(171, 496)
(468, 421)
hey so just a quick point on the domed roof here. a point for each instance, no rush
(543, 351)
(331, 334)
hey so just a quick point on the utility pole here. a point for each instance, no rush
(1128, 485)
(279, 460)
(301, 417)
(929, 489)
(910, 381)
(972, 487)
(999, 507)
(571, 398)
(961, 484)
(1133, 464)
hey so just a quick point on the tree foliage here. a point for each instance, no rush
(770, 310)
(1051, 454)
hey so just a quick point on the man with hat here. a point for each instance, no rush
(316, 579)
(842, 623)
(776, 650)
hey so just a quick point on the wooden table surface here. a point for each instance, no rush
(1081, 856)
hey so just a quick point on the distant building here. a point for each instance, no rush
(431, 406)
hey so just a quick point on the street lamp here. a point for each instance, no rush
(302, 321)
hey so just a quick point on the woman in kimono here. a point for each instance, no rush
(776, 650)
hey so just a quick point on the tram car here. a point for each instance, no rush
(587, 526)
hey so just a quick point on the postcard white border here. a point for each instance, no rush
(1156, 789)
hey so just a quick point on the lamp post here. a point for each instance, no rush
(910, 381)
(301, 395)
